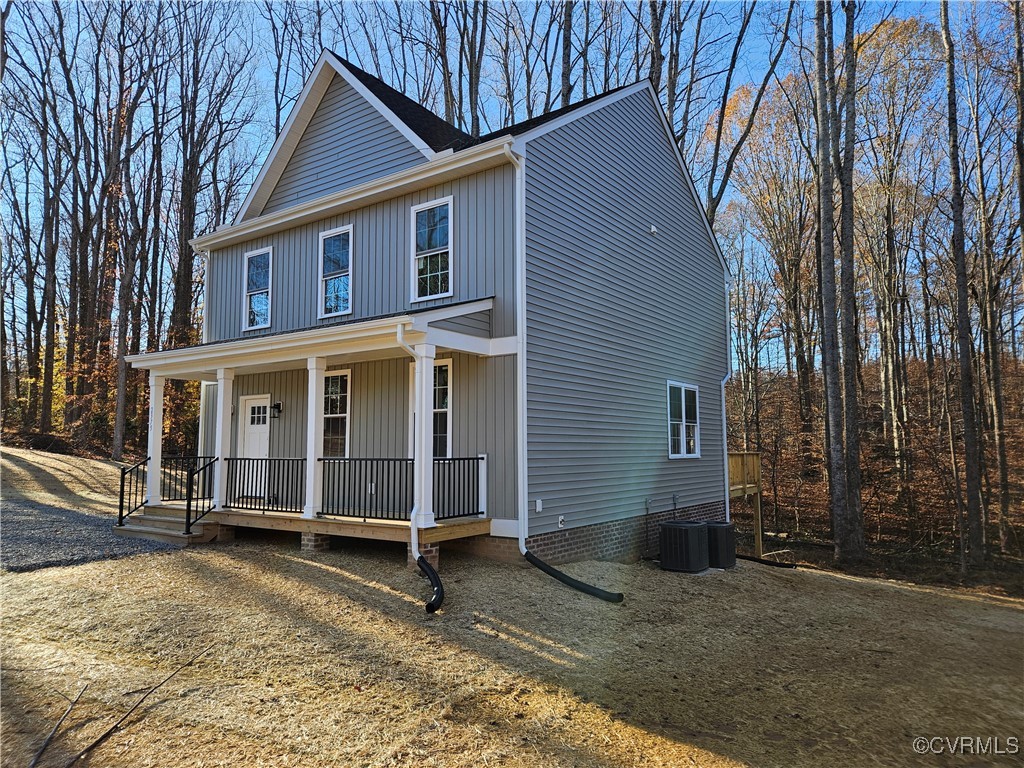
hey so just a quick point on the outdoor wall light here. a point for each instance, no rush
(275, 410)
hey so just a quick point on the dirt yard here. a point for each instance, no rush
(330, 660)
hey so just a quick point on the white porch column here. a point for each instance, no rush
(423, 441)
(315, 367)
(156, 436)
(222, 434)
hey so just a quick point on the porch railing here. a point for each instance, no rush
(174, 475)
(382, 489)
(199, 493)
(377, 489)
(266, 485)
(133, 489)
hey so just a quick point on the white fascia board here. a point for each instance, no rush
(411, 136)
(489, 154)
(301, 113)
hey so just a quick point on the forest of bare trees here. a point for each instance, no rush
(861, 164)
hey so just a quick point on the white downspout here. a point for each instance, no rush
(521, 435)
(728, 375)
(414, 531)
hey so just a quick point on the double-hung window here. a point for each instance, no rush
(336, 414)
(683, 421)
(431, 257)
(336, 272)
(257, 288)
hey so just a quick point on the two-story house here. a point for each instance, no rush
(517, 341)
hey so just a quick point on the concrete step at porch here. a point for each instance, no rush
(143, 529)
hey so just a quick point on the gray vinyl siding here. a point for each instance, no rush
(482, 418)
(476, 324)
(207, 419)
(613, 312)
(347, 142)
(483, 262)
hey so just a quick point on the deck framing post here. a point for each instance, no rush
(316, 368)
(222, 435)
(423, 443)
(156, 438)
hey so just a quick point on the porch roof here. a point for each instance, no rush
(337, 342)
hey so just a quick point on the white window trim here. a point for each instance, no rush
(668, 416)
(413, 298)
(321, 295)
(269, 250)
(348, 410)
(412, 405)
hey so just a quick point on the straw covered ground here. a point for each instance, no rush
(330, 660)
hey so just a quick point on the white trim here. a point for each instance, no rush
(347, 373)
(321, 294)
(368, 334)
(504, 529)
(482, 157)
(446, 361)
(269, 250)
(410, 135)
(243, 420)
(669, 385)
(202, 449)
(436, 203)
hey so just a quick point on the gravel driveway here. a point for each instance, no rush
(35, 535)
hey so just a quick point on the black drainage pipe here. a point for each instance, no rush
(435, 582)
(611, 597)
(762, 561)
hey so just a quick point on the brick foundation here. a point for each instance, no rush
(430, 552)
(621, 541)
(315, 542)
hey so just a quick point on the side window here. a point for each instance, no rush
(442, 409)
(336, 272)
(683, 421)
(336, 414)
(431, 257)
(257, 288)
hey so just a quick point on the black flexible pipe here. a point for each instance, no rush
(762, 561)
(611, 597)
(435, 582)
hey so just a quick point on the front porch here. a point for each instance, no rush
(359, 441)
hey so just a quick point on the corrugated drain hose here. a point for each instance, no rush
(611, 597)
(435, 582)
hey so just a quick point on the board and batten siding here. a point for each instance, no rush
(483, 414)
(613, 313)
(347, 142)
(483, 263)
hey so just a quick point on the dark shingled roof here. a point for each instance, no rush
(440, 135)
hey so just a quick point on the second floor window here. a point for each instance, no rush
(432, 250)
(336, 272)
(257, 289)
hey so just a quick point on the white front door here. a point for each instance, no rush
(254, 443)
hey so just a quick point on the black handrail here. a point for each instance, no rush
(382, 489)
(373, 489)
(174, 474)
(266, 485)
(199, 489)
(133, 479)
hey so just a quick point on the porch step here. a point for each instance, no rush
(136, 529)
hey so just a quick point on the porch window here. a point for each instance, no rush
(257, 289)
(442, 403)
(336, 272)
(683, 421)
(336, 415)
(431, 250)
